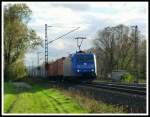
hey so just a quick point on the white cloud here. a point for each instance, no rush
(59, 45)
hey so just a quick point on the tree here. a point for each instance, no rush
(115, 50)
(17, 36)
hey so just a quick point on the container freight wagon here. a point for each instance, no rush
(77, 66)
(55, 69)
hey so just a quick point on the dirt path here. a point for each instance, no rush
(13, 104)
(57, 102)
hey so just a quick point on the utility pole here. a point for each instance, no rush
(136, 52)
(115, 29)
(46, 49)
(112, 52)
(121, 65)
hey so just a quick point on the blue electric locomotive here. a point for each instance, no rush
(84, 65)
(78, 66)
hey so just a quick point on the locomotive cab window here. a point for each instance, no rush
(82, 59)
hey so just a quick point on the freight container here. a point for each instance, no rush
(56, 68)
(48, 69)
(60, 66)
(50, 72)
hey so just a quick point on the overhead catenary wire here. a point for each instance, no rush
(63, 35)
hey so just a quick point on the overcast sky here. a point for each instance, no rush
(89, 16)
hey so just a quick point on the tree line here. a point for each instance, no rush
(115, 50)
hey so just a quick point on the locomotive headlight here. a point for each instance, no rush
(78, 70)
(92, 70)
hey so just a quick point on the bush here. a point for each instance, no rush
(129, 78)
(15, 71)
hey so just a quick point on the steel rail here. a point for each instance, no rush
(120, 89)
(122, 86)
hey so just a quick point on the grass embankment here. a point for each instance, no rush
(38, 100)
(43, 99)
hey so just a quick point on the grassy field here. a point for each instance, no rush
(22, 98)
(37, 100)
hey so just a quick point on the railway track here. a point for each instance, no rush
(130, 86)
(124, 84)
(132, 89)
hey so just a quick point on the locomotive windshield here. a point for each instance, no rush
(85, 58)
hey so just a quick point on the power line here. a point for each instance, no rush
(64, 35)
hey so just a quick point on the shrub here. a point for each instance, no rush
(129, 78)
(15, 71)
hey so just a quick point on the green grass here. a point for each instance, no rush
(41, 99)
(8, 97)
(38, 100)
